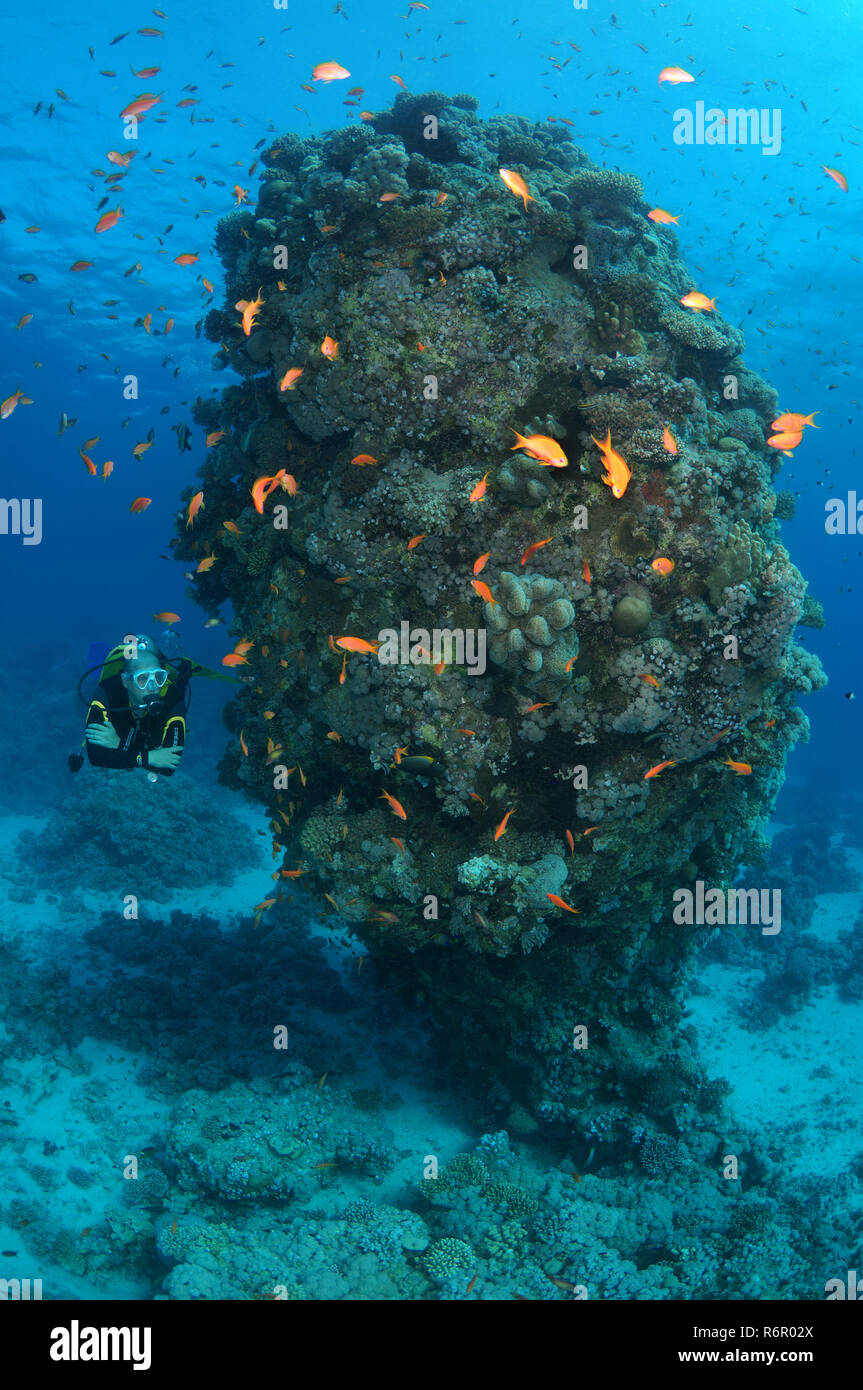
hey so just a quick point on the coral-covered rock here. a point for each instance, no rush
(430, 797)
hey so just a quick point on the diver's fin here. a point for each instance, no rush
(199, 670)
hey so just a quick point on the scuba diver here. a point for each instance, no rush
(136, 717)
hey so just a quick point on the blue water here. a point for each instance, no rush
(772, 237)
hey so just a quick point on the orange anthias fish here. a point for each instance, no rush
(23, 321)
(415, 540)
(586, 574)
(329, 72)
(480, 562)
(356, 644)
(290, 379)
(742, 769)
(660, 767)
(662, 564)
(662, 217)
(166, 618)
(501, 829)
(330, 348)
(249, 308)
(484, 592)
(140, 504)
(698, 301)
(792, 421)
(669, 443)
(108, 220)
(837, 177)
(532, 549)
(186, 258)
(617, 471)
(195, 506)
(262, 488)
(80, 265)
(479, 491)
(649, 680)
(540, 447)
(675, 75)
(789, 439)
(558, 902)
(140, 105)
(362, 459)
(516, 184)
(234, 659)
(214, 437)
(396, 806)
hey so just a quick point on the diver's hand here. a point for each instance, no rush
(105, 734)
(164, 757)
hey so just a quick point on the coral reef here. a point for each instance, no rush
(428, 799)
(116, 827)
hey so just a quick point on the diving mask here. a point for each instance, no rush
(150, 680)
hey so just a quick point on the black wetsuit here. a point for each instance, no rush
(164, 729)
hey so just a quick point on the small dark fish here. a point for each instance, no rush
(28, 277)
(9, 1254)
(418, 763)
(184, 437)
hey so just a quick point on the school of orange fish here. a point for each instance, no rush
(789, 427)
